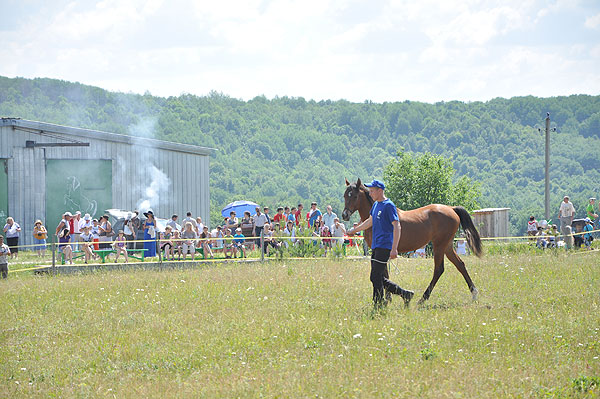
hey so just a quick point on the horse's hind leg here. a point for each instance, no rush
(438, 259)
(460, 265)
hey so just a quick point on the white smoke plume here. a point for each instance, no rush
(159, 187)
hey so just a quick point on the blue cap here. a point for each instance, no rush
(377, 184)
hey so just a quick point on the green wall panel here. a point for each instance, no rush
(3, 191)
(77, 185)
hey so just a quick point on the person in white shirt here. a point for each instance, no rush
(338, 230)
(190, 219)
(566, 213)
(329, 217)
(76, 230)
(260, 219)
(290, 231)
(86, 239)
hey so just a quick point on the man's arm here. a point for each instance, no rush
(394, 251)
(363, 226)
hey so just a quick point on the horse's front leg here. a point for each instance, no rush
(438, 258)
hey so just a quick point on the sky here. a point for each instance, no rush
(392, 50)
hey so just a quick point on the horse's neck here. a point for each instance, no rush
(365, 211)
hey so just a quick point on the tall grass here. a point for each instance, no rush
(305, 328)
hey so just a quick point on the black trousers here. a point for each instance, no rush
(3, 270)
(379, 275)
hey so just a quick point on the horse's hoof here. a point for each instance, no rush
(475, 293)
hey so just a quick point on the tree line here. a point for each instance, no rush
(288, 150)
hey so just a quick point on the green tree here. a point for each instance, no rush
(413, 181)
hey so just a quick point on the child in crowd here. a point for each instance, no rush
(4, 254)
(228, 243)
(176, 245)
(325, 232)
(166, 245)
(96, 233)
(587, 237)
(542, 243)
(238, 243)
(87, 238)
(64, 245)
(120, 246)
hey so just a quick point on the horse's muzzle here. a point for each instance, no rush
(346, 214)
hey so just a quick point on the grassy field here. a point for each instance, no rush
(306, 329)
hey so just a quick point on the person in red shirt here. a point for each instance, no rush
(298, 214)
(279, 216)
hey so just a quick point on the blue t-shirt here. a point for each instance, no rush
(314, 217)
(239, 238)
(383, 213)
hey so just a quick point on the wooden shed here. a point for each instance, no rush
(492, 222)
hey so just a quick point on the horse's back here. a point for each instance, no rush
(429, 223)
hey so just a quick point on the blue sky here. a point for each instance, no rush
(391, 50)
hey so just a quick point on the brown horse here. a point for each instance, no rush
(435, 223)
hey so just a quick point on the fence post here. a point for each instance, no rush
(158, 250)
(53, 246)
(262, 245)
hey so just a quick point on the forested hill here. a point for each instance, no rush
(290, 150)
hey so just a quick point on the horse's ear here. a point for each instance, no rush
(358, 183)
(347, 182)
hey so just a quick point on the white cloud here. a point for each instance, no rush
(385, 51)
(593, 22)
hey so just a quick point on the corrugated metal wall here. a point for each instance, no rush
(187, 171)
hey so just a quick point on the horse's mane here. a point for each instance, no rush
(364, 190)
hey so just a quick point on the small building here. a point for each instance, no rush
(48, 169)
(492, 222)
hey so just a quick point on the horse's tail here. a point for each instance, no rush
(471, 232)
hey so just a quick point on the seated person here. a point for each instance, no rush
(290, 231)
(542, 242)
(325, 232)
(239, 243)
(64, 246)
(87, 239)
(232, 223)
(189, 240)
(228, 243)
(269, 240)
(552, 234)
(120, 246)
(204, 242)
(166, 245)
(177, 244)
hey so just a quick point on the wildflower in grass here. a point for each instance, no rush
(356, 336)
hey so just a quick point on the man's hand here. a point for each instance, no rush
(394, 253)
(350, 232)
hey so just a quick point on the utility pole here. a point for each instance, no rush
(547, 188)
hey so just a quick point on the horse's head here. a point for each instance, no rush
(351, 199)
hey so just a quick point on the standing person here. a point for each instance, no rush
(149, 234)
(105, 232)
(532, 227)
(565, 214)
(291, 217)
(63, 223)
(199, 226)
(386, 236)
(135, 225)
(76, 230)
(298, 214)
(260, 219)
(592, 214)
(12, 230)
(329, 217)
(190, 219)
(129, 231)
(39, 237)
(232, 223)
(314, 214)
(173, 222)
(279, 216)
(96, 234)
(4, 253)
(587, 237)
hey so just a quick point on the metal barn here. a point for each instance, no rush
(492, 222)
(48, 169)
